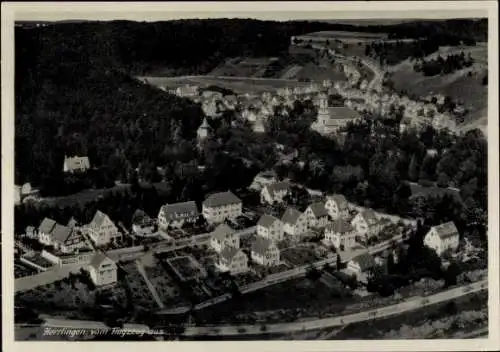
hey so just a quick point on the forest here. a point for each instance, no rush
(442, 65)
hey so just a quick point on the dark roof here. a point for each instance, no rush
(99, 218)
(340, 226)
(47, 226)
(339, 199)
(446, 230)
(278, 186)
(343, 113)
(222, 231)
(179, 211)
(291, 216)
(222, 198)
(61, 233)
(318, 209)
(260, 245)
(98, 259)
(369, 216)
(365, 261)
(229, 252)
(267, 220)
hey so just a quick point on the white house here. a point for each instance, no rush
(270, 227)
(102, 270)
(366, 223)
(142, 224)
(274, 192)
(220, 206)
(294, 222)
(340, 234)
(224, 236)
(262, 179)
(443, 237)
(102, 230)
(233, 260)
(337, 207)
(76, 164)
(361, 265)
(62, 238)
(177, 214)
(265, 252)
(316, 214)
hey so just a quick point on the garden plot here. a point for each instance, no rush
(298, 256)
(168, 291)
(141, 295)
(186, 268)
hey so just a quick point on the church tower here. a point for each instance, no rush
(204, 130)
(323, 113)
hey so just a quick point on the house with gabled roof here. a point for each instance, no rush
(340, 234)
(224, 236)
(367, 223)
(317, 215)
(262, 179)
(265, 252)
(102, 270)
(177, 214)
(220, 206)
(142, 224)
(274, 192)
(337, 206)
(62, 238)
(270, 227)
(294, 222)
(362, 266)
(233, 260)
(102, 230)
(443, 237)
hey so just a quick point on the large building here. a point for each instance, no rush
(102, 270)
(265, 252)
(317, 215)
(177, 214)
(222, 237)
(294, 223)
(102, 230)
(76, 164)
(274, 192)
(337, 206)
(340, 234)
(221, 206)
(233, 260)
(62, 238)
(332, 119)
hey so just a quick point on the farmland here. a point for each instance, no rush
(243, 67)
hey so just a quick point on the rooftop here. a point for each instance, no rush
(291, 216)
(222, 198)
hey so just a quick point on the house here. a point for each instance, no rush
(270, 227)
(317, 215)
(62, 238)
(224, 236)
(443, 237)
(204, 130)
(258, 126)
(274, 192)
(294, 222)
(361, 265)
(72, 223)
(220, 206)
(366, 223)
(340, 234)
(102, 230)
(142, 224)
(264, 178)
(102, 270)
(76, 164)
(177, 214)
(337, 206)
(233, 260)
(265, 252)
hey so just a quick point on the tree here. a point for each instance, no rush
(451, 273)
(339, 262)
(391, 266)
(413, 169)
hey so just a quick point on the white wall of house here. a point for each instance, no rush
(105, 274)
(238, 264)
(274, 232)
(270, 258)
(298, 228)
(220, 213)
(333, 210)
(434, 241)
(348, 240)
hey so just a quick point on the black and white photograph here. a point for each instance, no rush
(250, 175)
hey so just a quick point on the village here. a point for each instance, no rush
(191, 259)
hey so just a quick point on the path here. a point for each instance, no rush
(412, 303)
(152, 289)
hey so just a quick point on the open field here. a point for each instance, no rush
(240, 85)
(458, 85)
(319, 73)
(243, 67)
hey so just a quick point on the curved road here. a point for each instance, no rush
(406, 306)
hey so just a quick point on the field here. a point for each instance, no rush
(186, 267)
(319, 73)
(243, 67)
(141, 296)
(238, 85)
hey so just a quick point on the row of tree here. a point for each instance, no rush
(442, 66)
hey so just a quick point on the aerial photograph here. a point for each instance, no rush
(231, 179)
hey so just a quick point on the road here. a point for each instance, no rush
(406, 306)
(410, 304)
